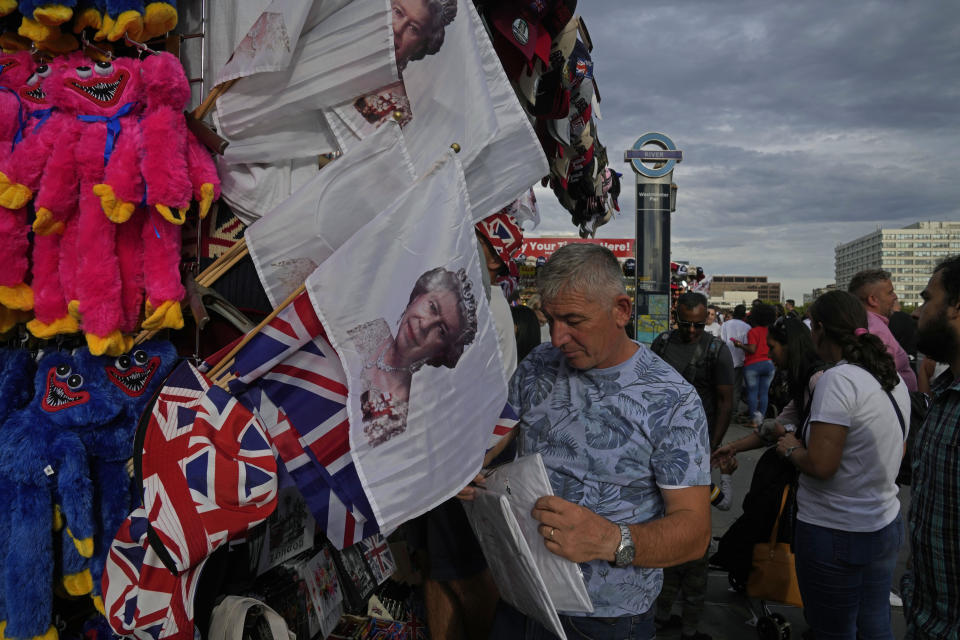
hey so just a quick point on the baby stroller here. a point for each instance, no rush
(761, 506)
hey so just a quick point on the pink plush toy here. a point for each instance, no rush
(174, 168)
(46, 166)
(15, 70)
(107, 96)
(101, 102)
(123, 170)
(20, 177)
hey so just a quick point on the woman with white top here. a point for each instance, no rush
(849, 527)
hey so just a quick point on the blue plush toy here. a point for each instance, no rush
(137, 19)
(44, 477)
(16, 380)
(47, 12)
(131, 379)
(89, 14)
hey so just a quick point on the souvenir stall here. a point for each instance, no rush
(207, 424)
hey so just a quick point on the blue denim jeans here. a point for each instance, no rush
(758, 377)
(845, 580)
(510, 624)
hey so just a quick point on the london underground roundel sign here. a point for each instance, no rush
(653, 155)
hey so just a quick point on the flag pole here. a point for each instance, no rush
(207, 105)
(228, 359)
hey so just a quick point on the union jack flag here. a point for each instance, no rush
(208, 469)
(291, 377)
(505, 424)
(143, 599)
(379, 557)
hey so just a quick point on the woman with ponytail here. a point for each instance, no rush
(849, 529)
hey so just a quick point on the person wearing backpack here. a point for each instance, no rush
(849, 528)
(705, 362)
(702, 359)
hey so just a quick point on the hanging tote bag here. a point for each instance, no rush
(774, 576)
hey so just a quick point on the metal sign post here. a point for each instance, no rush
(653, 158)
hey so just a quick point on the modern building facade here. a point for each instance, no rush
(764, 290)
(817, 292)
(909, 254)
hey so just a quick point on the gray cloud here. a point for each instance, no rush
(802, 124)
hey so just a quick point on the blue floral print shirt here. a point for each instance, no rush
(610, 439)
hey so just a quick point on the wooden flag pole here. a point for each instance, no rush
(222, 264)
(207, 105)
(227, 360)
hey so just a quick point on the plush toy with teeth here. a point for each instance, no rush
(33, 164)
(159, 18)
(45, 486)
(15, 70)
(20, 175)
(102, 99)
(88, 14)
(138, 20)
(131, 378)
(50, 14)
(16, 381)
(165, 167)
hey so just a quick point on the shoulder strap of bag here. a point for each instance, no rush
(690, 370)
(896, 407)
(660, 343)
(805, 414)
(776, 523)
(713, 352)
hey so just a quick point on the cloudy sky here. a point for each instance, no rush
(803, 124)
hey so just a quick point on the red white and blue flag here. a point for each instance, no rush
(506, 423)
(207, 467)
(143, 598)
(291, 377)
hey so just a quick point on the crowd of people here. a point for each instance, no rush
(629, 436)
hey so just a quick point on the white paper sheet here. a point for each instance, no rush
(524, 481)
(510, 559)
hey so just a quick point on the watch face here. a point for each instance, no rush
(624, 554)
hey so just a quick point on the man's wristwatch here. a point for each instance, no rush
(786, 454)
(623, 556)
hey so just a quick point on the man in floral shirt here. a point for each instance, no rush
(624, 440)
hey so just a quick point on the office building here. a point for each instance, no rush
(909, 254)
(817, 292)
(769, 291)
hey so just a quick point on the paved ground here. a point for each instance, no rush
(728, 614)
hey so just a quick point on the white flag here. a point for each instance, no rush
(290, 241)
(304, 135)
(403, 304)
(252, 189)
(336, 55)
(296, 58)
(461, 94)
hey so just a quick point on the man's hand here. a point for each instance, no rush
(469, 492)
(574, 532)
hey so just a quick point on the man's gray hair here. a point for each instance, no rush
(588, 269)
(862, 279)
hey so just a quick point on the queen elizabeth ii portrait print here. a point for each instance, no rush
(437, 324)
